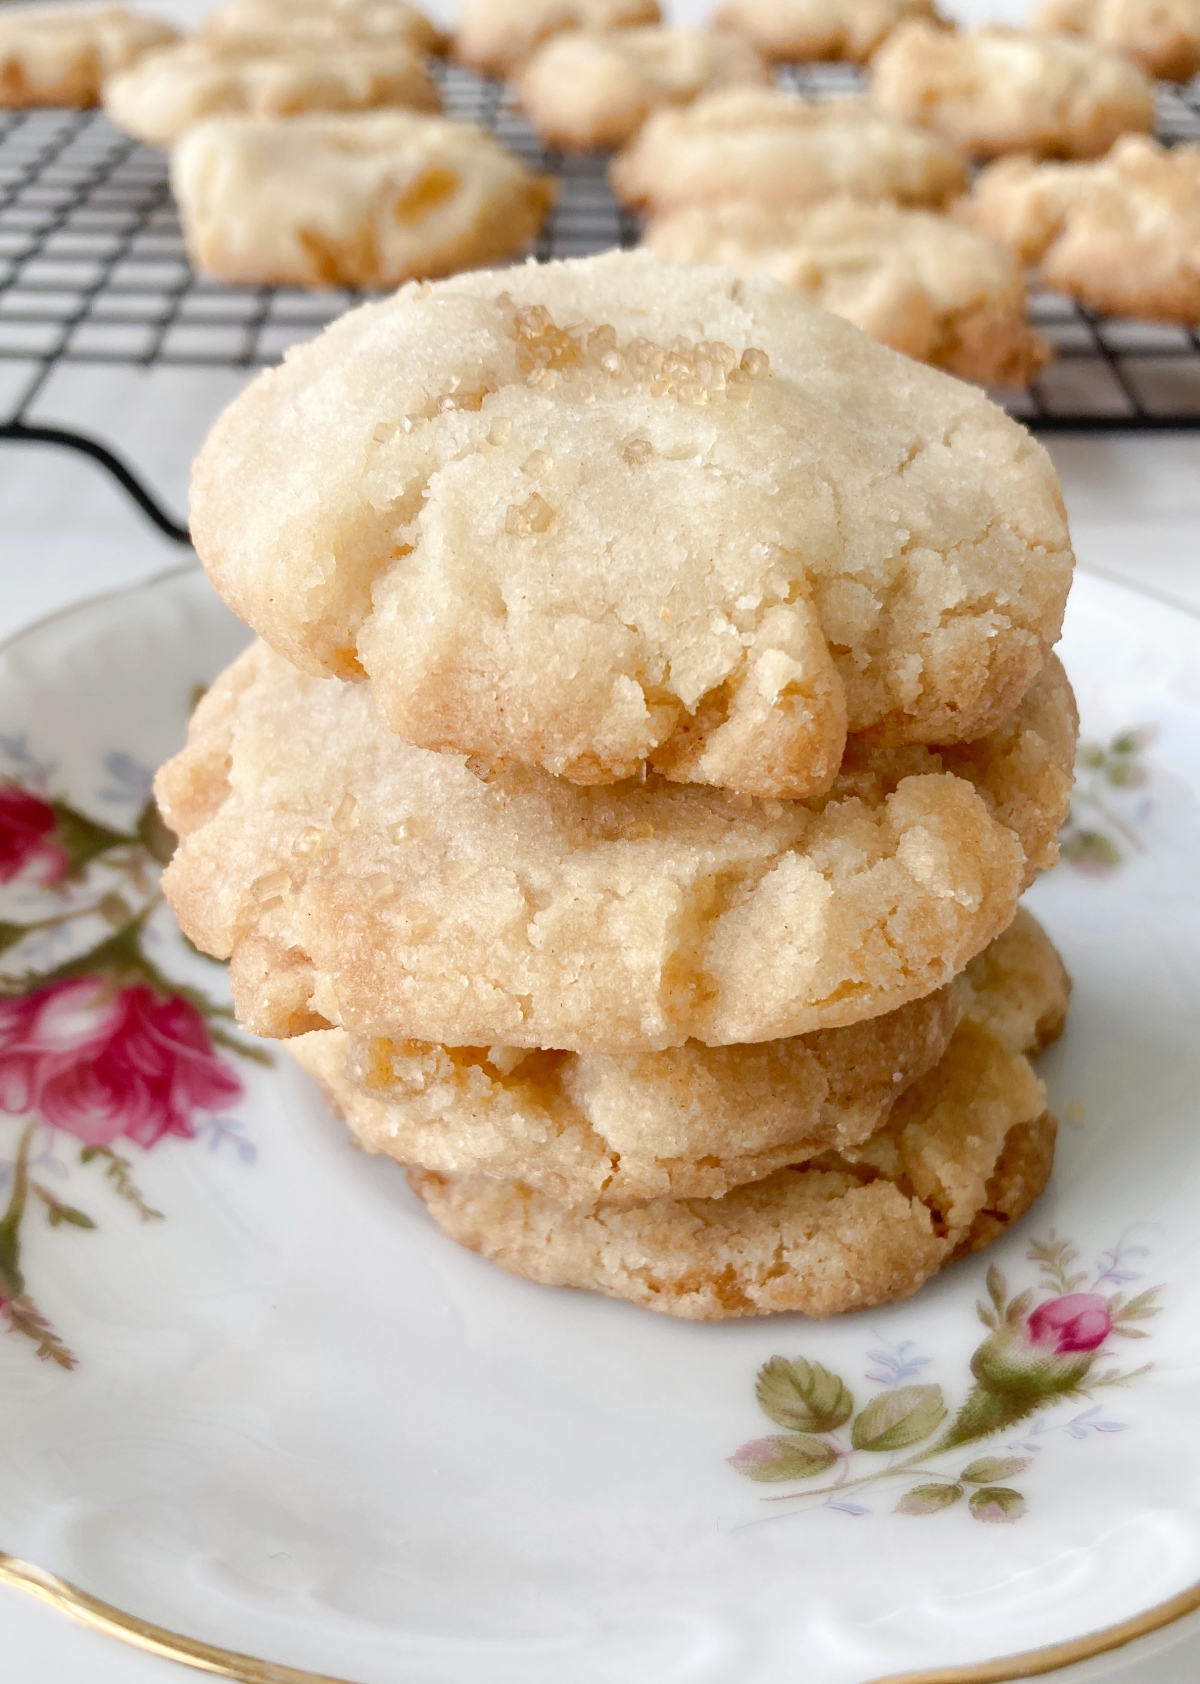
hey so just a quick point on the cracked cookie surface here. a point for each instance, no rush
(362, 883)
(615, 513)
(595, 1130)
(966, 1151)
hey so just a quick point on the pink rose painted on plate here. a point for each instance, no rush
(104, 1047)
(27, 827)
(102, 1062)
(1080, 1321)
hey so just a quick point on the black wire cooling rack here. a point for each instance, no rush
(93, 270)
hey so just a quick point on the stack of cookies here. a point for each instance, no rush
(625, 810)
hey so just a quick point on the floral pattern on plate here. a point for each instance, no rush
(1036, 1357)
(97, 1044)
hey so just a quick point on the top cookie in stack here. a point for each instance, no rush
(652, 665)
(615, 515)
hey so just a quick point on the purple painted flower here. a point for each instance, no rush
(27, 826)
(100, 1061)
(1079, 1321)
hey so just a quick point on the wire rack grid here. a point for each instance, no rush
(93, 269)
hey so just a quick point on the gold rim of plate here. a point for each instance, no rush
(101, 1616)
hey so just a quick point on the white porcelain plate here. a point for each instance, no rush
(302, 1425)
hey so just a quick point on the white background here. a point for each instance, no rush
(67, 532)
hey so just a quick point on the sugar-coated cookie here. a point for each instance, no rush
(1162, 36)
(168, 91)
(54, 55)
(614, 1129)
(589, 1129)
(966, 1151)
(496, 37)
(587, 88)
(1018, 987)
(769, 147)
(367, 199)
(997, 90)
(616, 512)
(320, 22)
(361, 883)
(805, 30)
(915, 281)
(1122, 234)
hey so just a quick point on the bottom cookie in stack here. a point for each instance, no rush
(915, 1138)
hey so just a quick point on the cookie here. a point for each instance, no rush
(966, 1151)
(804, 30)
(992, 91)
(593, 1129)
(1018, 987)
(496, 37)
(50, 55)
(1160, 36)
(321, 22)
(1122, 235)
(771, 148)
(585, 89)
(367, 199)
(588, 1129)
(391, 891)
(915, 281)
(616, 512)
(170, 90)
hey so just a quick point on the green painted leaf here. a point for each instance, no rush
(998, 1505)
(783, 1456)
(997, 1287)
(802, 1395)
(928, 1499)
(83, 838)
(1019, 1308)
(11, 934)
(1091, 847)
(1137, 1309)
(1126, 774)
(896, 1419)
(153, 834)
(988, 1470)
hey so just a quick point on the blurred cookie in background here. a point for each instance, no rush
(51, 55)
(915, 281)
(771, 148)
(1122, 235)
(168, 91)
(367, 200)
(317, 22)
(496, 37)
(1161, 36)
(803, 30)
(586, 89)
(993, 91)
